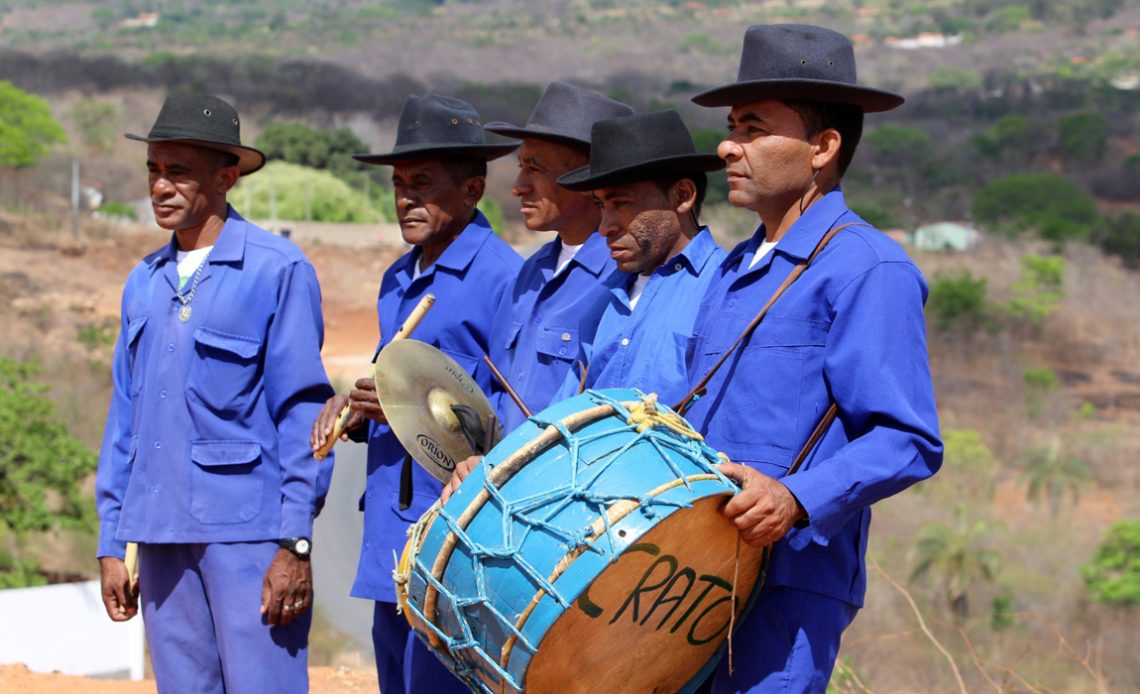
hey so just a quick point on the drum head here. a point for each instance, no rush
(651, 620)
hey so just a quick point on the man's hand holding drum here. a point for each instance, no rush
(764, 510)
(462, 470)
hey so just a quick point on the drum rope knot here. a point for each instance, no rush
(645, 415)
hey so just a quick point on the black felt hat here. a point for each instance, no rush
(565, 114)
(644, 147)
(434, 125)
(798, 62)
(203, 120)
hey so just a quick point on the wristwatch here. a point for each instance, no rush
(300, 546)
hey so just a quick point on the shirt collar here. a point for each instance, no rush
(805, 233)
(462, 249)
(593, 255)
(696, 254)
(228, 248)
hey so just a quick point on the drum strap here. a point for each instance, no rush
(405, 499)
(702, 387)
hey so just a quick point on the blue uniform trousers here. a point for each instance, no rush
(202, 607)
(418, 670)
(788, 643)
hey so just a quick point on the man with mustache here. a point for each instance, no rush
(535, 337)
(439, 168)
(216, 372)
(649, 182)
(848, 333)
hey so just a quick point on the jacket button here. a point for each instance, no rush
(565, 337)
(678, 267)
(625, 342)
(158, 444)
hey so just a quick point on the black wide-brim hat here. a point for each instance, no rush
(206, 121)
(564, 114)
(798, 62)
(644, 147)
(434, 125)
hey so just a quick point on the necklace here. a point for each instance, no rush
(185, 299)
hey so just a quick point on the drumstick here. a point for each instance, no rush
(405, 330)
(507, 387)
(131, 559)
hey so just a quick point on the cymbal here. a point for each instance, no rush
(417, 385)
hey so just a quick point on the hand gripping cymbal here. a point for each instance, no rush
(424, 394)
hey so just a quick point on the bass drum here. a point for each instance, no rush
(586, 553)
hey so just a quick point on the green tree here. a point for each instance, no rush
(1039, 290)
(41, 467)
(1120, 235)
(1050, 471)
(27, 129)
(301, 193)
(1052, 205)
(330, 150)
(1113, 575)
(955, 559)
(1039, 385)
(969, 469)
(1083, 137)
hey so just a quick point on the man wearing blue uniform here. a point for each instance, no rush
(439, 166)
(848, 332)
(649, 181)
(217, 374)
(535, 339)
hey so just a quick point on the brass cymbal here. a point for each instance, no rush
(417, 385)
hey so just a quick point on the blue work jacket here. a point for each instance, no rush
(535, 338)
(645, 347)
(468, 280)
(207, 435)
(849, 330)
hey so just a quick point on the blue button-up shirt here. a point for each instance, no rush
(207, 435)
(468, 280)
(644, 347)
(535, 339)
(850, 329)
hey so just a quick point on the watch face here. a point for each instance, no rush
(302, 546)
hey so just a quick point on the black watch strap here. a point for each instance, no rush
(300, 546)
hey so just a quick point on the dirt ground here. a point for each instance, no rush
(18, 679)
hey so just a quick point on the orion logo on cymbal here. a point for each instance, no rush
(432, 448)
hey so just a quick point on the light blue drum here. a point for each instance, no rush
(587, 553)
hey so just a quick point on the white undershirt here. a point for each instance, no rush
(188, 262)
(565, 256)
(417, 272)
(764, 249)
(636, 290)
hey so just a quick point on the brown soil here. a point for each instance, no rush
(17, 678)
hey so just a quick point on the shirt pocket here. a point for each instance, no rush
(134, 340)
(225, 369)
(224, 485)
(512, 337)
(557, 343)
(766, 383)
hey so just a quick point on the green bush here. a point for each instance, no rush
(1052, 205)
(1084, 137)
(1120, 235)
(117, 209)
(27, 129)
(295, 187)
(1113, 575)
(877, 217)
(41, 469)
(958, 300)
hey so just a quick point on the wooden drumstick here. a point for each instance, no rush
(405, 330)
(131, 559)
